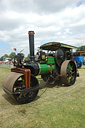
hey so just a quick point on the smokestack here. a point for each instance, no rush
(31, 45)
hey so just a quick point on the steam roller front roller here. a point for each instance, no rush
(68, 72)
(14, 85)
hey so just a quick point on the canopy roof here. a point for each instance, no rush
(55, 45)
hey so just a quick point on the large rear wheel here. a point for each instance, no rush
(68, 72)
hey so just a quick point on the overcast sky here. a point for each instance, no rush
(52, 20)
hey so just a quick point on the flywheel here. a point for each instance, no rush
(59, 57)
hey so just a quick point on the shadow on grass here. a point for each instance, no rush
(10, 99)
(57, 84)
(13, 101)
(82, 67)
(42, 85)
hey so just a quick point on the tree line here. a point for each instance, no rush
(11, 56)
(81, 48)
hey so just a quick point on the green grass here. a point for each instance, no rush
(3, 71)
(55, 106)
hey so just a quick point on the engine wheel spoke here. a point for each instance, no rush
(68, 71)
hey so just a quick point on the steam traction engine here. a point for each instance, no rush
(53, 61)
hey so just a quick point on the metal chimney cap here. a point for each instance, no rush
(31, 32)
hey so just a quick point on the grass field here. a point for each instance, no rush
(56, 106)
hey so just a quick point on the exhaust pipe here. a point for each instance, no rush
(31, 45)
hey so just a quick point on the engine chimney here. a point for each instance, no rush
(31, 45)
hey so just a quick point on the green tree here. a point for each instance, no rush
(12, 55)
(81, 48)
(5, 56)
(2, 58)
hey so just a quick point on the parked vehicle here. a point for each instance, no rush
(79, 58)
